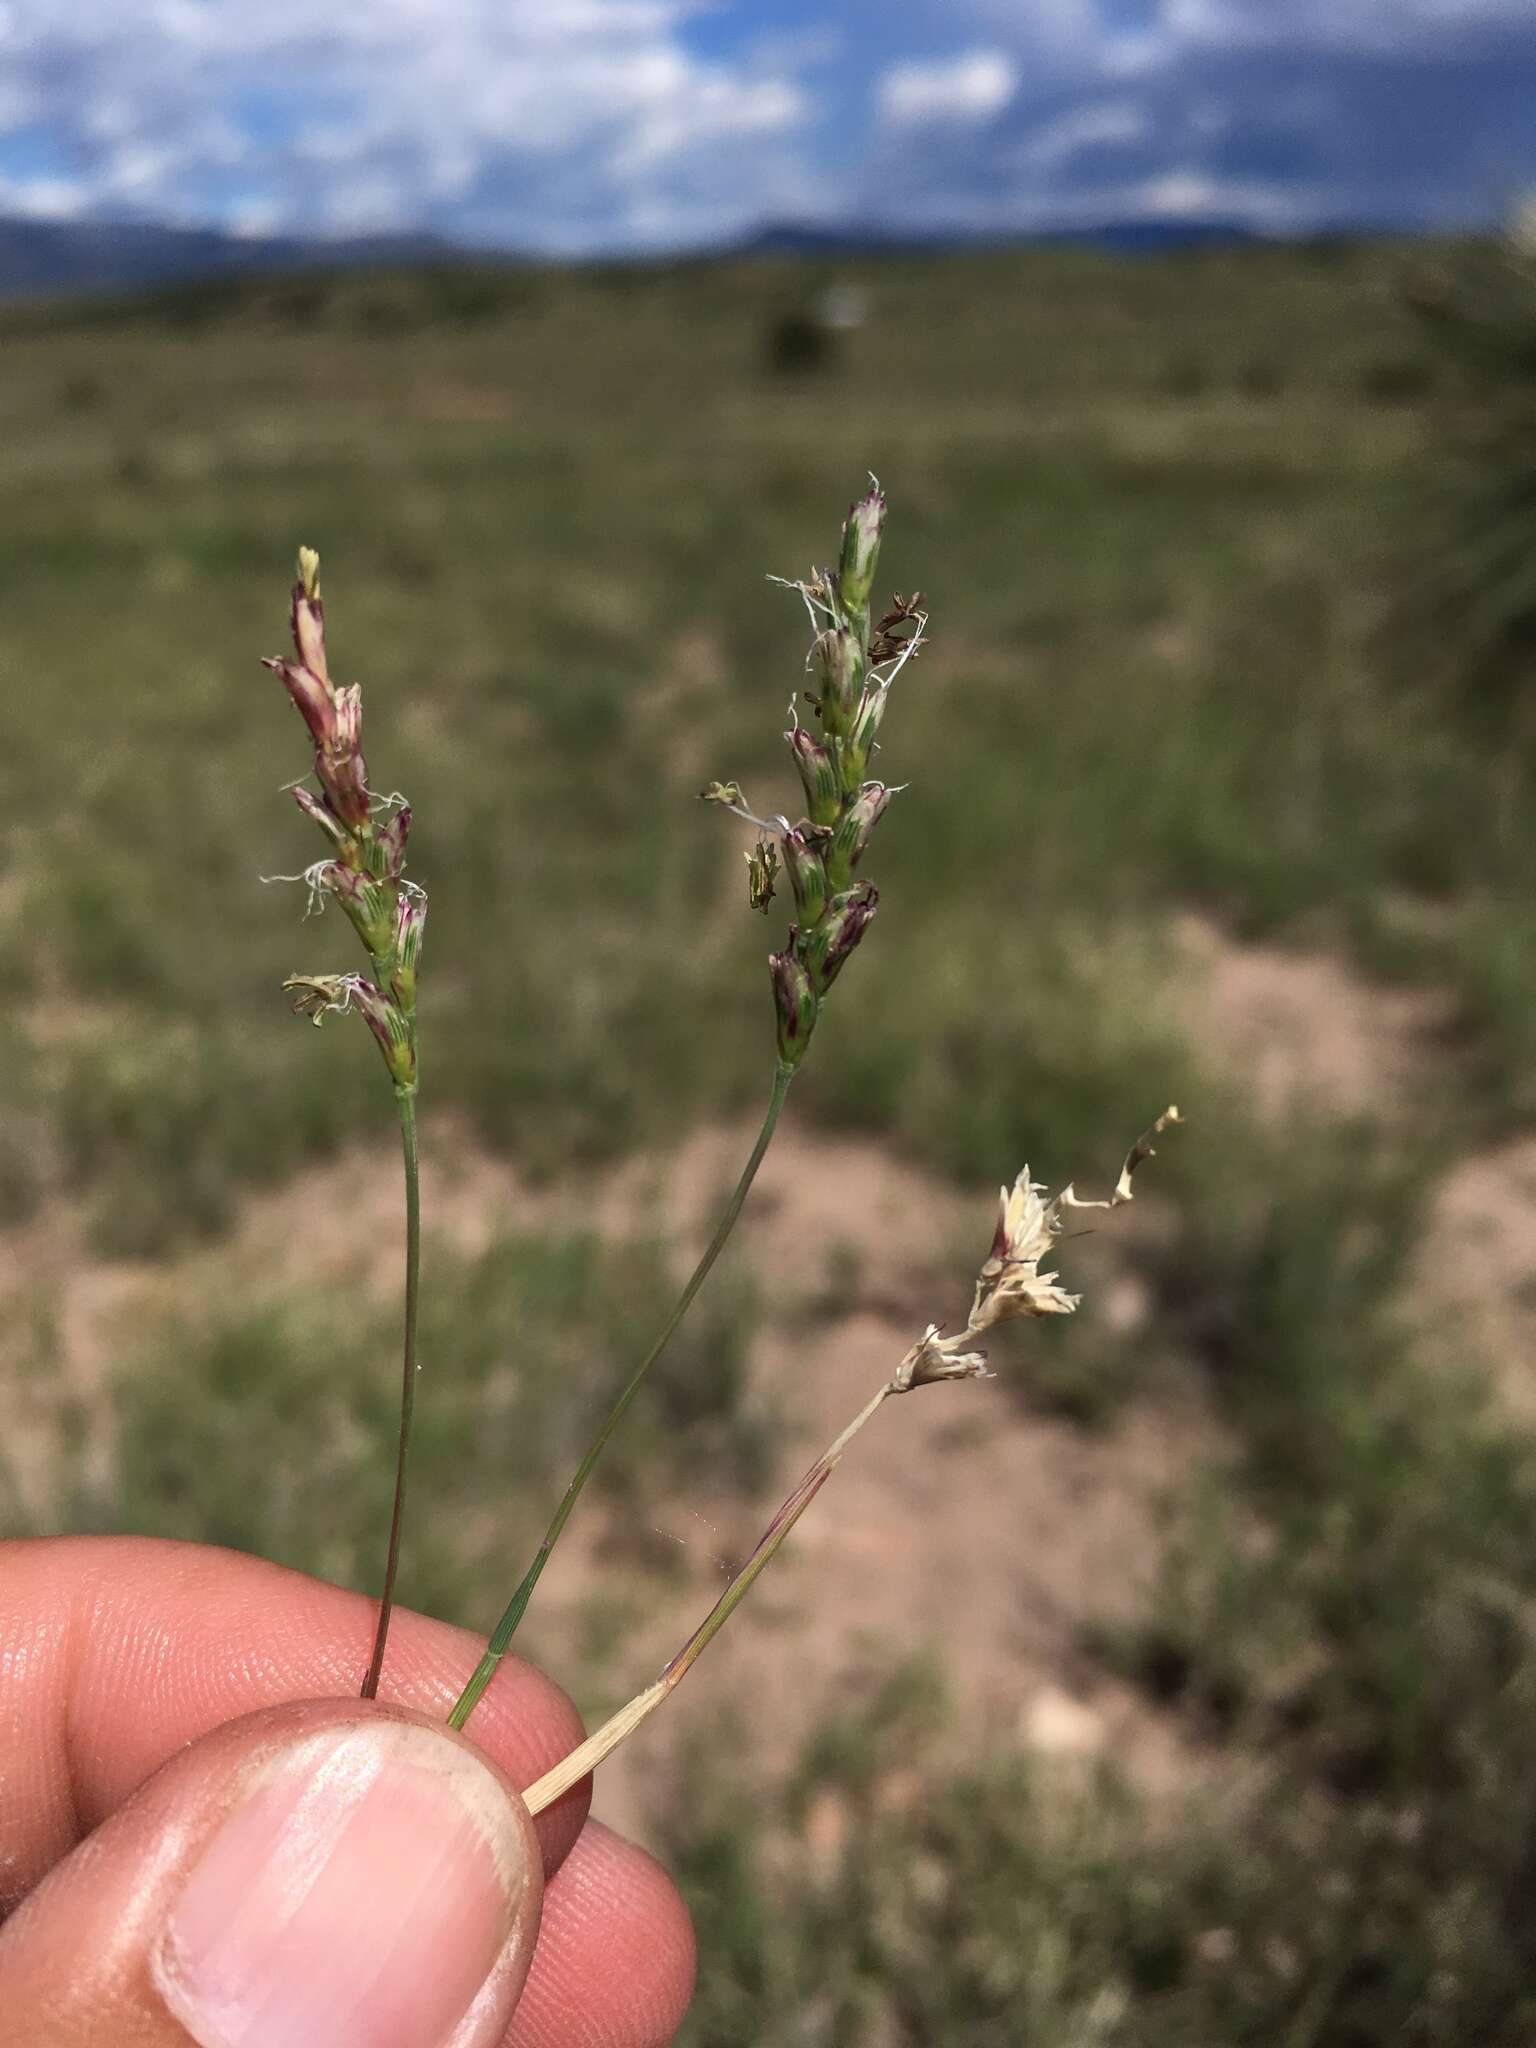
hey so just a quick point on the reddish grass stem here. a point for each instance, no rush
(572, 1769)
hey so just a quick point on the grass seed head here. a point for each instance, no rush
(367, 838)
(852, 674)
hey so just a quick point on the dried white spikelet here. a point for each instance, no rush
(930, 1360)
(1010, 1283)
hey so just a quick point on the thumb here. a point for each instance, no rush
(315, 1876)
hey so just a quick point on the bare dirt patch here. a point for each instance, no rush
(1301, 1031)
(1476, 1299)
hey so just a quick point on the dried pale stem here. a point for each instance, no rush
(407, 1101)
(572, 1769)
(507, 1627)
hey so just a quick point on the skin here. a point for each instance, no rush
(138, 1678)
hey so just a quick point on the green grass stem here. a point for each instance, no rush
(507, 1627)
(407, 1101)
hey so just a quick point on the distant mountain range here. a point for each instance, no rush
(47, 257)
(1127, 236)
(64, 257)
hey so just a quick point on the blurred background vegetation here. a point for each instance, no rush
(1221, 790)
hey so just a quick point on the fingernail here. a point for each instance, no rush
(362, 1894)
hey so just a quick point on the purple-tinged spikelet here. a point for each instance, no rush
(794, 1002)
(366, 874)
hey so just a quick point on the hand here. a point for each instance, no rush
(188, 1856)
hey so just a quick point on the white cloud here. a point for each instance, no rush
(718, 110)
(303, 114)
(1195, 196)
(41, 198)
(973, 86)
(254, 218)
(1106, 124)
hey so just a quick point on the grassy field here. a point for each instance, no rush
(1162, 512)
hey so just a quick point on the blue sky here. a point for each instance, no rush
(575, 125)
